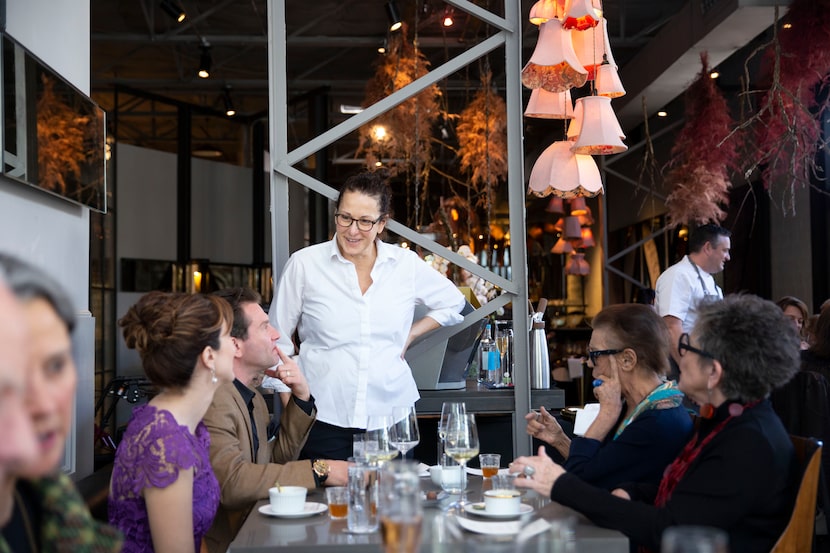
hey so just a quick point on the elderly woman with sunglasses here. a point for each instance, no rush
(737, 472)
(641, 425)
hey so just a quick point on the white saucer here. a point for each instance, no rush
(310, 509)
(477, 509)
(492, 528)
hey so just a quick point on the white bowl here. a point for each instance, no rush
(502, 502)
(287, 500)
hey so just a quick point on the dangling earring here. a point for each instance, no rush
(707, 410)
(213, 376)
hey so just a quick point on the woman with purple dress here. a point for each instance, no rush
(163, 493)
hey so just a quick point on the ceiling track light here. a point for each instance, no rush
(230, 111)
(174, 10)
(393, 15)
(205, 61)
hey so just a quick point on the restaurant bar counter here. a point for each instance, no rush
(261, 533)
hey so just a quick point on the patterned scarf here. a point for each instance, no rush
(675, 472)
(665, 396)
(67, 525)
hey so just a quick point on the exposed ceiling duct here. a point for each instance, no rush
(665, 67)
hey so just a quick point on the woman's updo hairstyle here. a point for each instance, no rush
(371, 183)
(170, 331)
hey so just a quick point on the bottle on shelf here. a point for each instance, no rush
(489, 358)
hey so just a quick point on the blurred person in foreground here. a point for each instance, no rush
(48, 513)
(641, 425)
(248, 451)
(738, 472)
(163, 492)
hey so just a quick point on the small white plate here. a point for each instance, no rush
(477, 509)
(490, 527)
(310, 509)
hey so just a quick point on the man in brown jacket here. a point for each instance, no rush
(248, 453)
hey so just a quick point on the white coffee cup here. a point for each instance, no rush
(502, 502)
(287, 500)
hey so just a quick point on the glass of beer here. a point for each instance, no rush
(400, 508)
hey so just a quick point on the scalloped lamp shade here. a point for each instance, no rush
(581, 14)
(545, 10)
(600, 130)
(549, 105)
(578, 206)
(554, 65)
(561, 172)
(591, 45)
(608, 81)
(576, 121)
(577, 265)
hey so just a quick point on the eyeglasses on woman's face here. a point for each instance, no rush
(363, 223)
(684, 345)
(594, 355)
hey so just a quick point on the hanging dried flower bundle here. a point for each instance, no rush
(482, 135)
(409, 125)
(789, 118)
(60, 140)
(699, 170)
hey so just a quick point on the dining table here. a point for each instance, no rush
(547, 527)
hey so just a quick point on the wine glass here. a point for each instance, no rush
(404, 434)
(377, 434)
(447, 409)
(461, 441)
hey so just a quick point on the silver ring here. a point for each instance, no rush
(529, 471)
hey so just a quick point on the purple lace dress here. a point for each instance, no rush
(151, 453)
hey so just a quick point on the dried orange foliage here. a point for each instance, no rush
(482, 135)
(699, 170)
(60, 140)
(409, 125)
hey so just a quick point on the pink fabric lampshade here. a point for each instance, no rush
(560, 172)
(591, 45)
(608, 81)
(549, 105)
(581, 14)
(600, 131)
(554, 65)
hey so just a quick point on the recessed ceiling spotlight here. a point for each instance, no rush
(230, 111)
(393, 15)
(205, 61)
(787, 26)
(662, 113)
(714, 74)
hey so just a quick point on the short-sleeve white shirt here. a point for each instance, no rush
(679, 289)
(351, 343)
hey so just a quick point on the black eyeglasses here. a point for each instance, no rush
(344, 220)
(596, 354)
(683, 345)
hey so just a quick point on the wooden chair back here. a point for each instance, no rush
(798, 535)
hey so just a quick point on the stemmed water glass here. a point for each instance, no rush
(461, 441)
(404, 434)
(447, 409)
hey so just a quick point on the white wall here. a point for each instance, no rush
(49, 231)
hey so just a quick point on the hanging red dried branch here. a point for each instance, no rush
(699, 171)
(407, 143)
(482, 135)
(790, 131)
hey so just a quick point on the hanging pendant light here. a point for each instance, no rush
(591, 46)
(545, 10)
(577, 265)
(581, 14)
(608, 81)
(562, 246)
(578, 206)
(576, 122)
(560, 172)
(588, 238)
(572, 228)
(555, 206)
(554, 65)
(549, 105)
(600, 131)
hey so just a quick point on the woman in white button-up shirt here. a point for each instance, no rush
(351, 301)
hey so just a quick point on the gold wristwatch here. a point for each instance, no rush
(321, 470)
